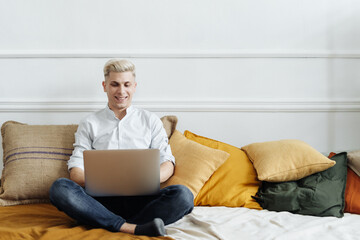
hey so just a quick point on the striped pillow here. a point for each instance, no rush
(34, 157)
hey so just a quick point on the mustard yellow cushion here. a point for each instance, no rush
(195, 163)
(286, 160)
(233, 183)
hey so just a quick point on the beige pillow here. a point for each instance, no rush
(34, 157)
(195, 163)
(354, 161)
(169, 123)
(286, 160)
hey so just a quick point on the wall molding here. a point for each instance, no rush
(251, 105)
(178, 53)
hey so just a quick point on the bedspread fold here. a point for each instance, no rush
(45, 222)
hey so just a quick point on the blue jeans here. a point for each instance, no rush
(171, 204)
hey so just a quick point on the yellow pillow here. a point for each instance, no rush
(286, 160)
(195, 163)
(233, 184)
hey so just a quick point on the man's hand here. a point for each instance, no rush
(166, 171)
(77, 175)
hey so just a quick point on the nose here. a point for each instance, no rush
(121, 89)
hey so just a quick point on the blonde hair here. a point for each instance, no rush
(118, 65)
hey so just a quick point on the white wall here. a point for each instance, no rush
(237, 71)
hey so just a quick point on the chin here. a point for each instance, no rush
(121, 106)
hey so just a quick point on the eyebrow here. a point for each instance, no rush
(119, 83)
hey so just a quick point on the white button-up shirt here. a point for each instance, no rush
(139, 129)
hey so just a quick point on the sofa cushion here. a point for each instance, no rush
(233, 183)
(320, 194)
(195, 163)
(352, 192)
(285, 160)
(169, 123)
(354, 161)
(34, 156)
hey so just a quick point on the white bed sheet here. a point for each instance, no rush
(243, 223)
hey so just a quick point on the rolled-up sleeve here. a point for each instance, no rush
(82, 142)
(160, 141)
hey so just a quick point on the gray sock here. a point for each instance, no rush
(152, 229)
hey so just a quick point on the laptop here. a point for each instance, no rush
(130, 172)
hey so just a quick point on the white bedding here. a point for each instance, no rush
(243, 223)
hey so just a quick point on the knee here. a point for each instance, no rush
(59, 189)
(184, 196)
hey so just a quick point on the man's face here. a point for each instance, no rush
(120, 88)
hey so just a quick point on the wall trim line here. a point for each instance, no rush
(178, 53)
(348, 105)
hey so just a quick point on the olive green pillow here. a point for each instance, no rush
(320, 194)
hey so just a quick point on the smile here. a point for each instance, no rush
(120, 98)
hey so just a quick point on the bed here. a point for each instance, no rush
(254, 192)
(43, 221)
(243, 223)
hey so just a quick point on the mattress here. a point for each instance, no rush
(243, 223)
(44, 221)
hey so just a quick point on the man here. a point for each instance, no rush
(121, 126)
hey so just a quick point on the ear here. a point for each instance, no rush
(104, 86)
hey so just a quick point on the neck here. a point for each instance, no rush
(120, 114)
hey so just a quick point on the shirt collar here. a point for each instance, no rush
(111, 114)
